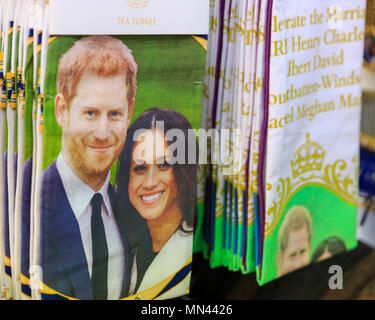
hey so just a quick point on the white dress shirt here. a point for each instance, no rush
(79, 196)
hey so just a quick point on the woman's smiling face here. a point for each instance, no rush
(152, 187)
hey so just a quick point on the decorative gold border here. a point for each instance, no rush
(148, 294)
(367, 141)
(334, 177)
(201, 41)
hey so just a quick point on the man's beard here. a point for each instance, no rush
(86, 165)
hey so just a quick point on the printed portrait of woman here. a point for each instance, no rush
(156, 197)
(328, 248)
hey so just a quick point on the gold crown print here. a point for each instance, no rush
(308, 157)
(138, 4)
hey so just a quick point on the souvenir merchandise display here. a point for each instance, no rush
(135, 134)
(105, 127)
(289, 85)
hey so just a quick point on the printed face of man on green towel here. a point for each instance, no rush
(294, 240)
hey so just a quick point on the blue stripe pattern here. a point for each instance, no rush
(180, 276)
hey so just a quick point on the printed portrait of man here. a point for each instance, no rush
(83, 254)
(294, 240)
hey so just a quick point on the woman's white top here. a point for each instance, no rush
(171, 259)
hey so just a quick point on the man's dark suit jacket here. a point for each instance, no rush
(25, 223)
(62, 255)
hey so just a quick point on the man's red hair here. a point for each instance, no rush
(103, 56)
